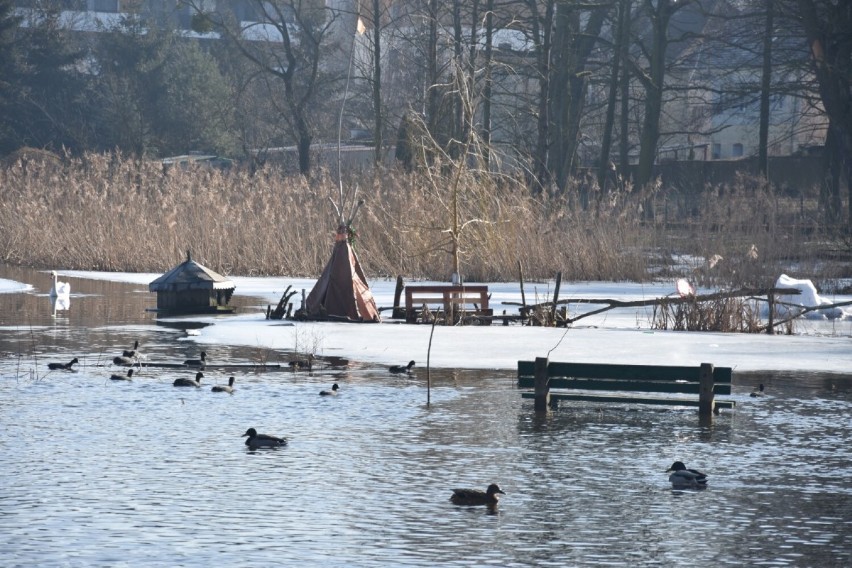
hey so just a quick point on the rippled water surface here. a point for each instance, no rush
(142, 473)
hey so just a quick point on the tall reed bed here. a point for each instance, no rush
(107, 212)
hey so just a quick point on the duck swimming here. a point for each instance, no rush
(127, 377)
(683, 478)
(197, 362)
(332, 392)
(256, 440)
(758, 390)
(183, 382)
(397, 369)
(476, 497)
(125, 361)
(62, 366)
(229, 388)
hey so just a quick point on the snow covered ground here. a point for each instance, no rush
(616, 336)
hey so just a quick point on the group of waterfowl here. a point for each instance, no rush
(681, 477)
(196, 382)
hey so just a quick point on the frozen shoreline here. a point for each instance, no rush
(617, 336)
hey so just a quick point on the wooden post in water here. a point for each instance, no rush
(556, 297)
(770, 326)
(705, 390)
(398, 311)
(523, 295)
(542, 389)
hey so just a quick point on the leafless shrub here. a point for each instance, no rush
(723, 315)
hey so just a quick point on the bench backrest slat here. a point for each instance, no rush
(627, 372)
(634, 378)
(623, 385)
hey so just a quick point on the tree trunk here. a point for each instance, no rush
(378, 126)
(458, 108)
(831, 53)
(304, 148)
(606, 139)
(432, 69)
(653, 82)
(624, 117)
(486, 91)
(542, 36)
(765, 85)
(580, 45)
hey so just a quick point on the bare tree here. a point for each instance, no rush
(577, 31)
(620, 38)
(288, 40)
(652, 77)
(765, 92)
(827, 24)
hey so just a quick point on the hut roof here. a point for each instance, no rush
(189, 275)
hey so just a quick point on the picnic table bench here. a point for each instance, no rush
(631, 384)
(453, 300)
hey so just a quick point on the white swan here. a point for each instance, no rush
(60, 289)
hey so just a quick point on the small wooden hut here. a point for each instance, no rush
(190, 288)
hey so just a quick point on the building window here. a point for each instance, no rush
(737, 150)
(717, 151)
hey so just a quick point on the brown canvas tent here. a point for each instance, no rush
(342, 291)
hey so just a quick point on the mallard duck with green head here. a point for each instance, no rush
(683, 478)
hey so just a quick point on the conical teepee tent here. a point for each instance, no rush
(342, 291)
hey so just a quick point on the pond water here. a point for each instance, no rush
(137, 473)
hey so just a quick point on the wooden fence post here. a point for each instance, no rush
(705, 390)
(398, 311)
(542, 389)
(770, 326)
(556, 297)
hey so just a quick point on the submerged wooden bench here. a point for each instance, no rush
(588, 380)
(452, 299)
